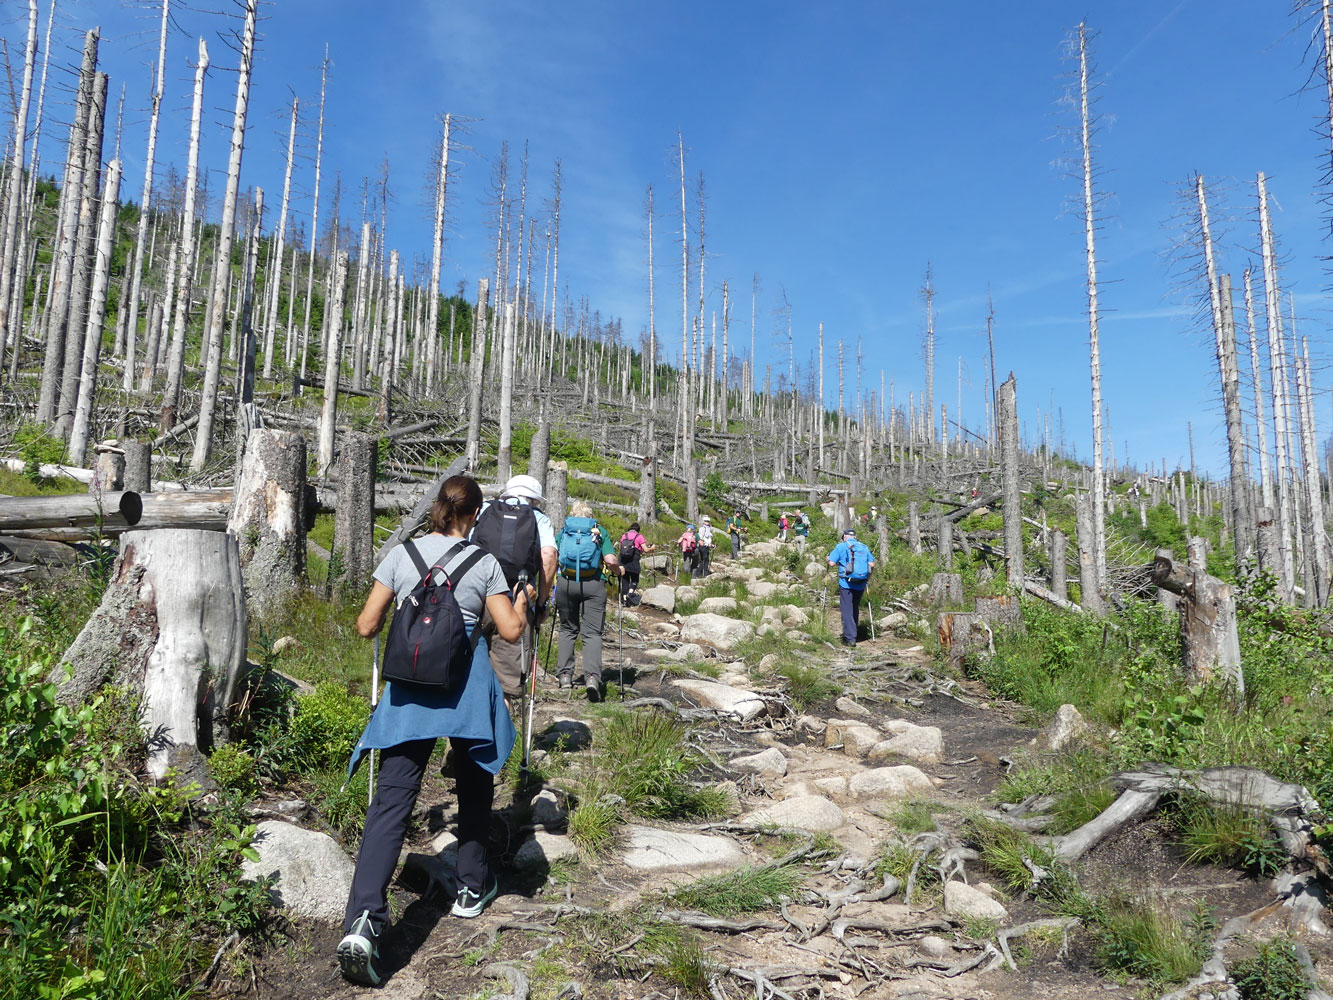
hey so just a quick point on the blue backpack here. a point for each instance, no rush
(580, 544)
(859, 571)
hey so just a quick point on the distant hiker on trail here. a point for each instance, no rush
(802, 522)
(688, 543)
(735, 528)
(515, 530)
(411, 717)
(632, 546)
(704, 553)
(854, 562)
(580, 596)
(782, 528)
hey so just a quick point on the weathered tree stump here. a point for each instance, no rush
(945, 588)
(540, 452)
(268, 515)
(963, 634)
(1209, 641)
(138, 466)
(648, 487)
(1002, 612)
(557, 494)
(1059, 584)
(171, 628)
(1090, 591)
(914, 527)
(354, 520)
(109, 466)
(944, 542)
(882, 530)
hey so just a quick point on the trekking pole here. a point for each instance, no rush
(620, 632)
(525, 669)
(374, 700)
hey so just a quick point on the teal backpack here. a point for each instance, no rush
(859, 570)
(580, 544)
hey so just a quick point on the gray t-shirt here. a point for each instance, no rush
(483, 580)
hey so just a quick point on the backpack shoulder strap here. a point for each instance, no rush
(461, 567)
(415, 555)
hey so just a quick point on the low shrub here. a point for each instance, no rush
(327, 725)
(1274, 973)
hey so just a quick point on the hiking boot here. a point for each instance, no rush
(850, 643)
(594, 691)
(470, 904)
(566, 681)
(359, 952)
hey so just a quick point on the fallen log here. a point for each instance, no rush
(35, 551)
(1036, 590)
(78, 510)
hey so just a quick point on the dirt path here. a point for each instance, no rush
(844, 767)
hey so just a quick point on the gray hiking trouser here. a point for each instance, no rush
(582, 608)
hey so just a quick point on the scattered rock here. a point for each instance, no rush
(543, 848)
(766, 628)
(899, 782)
(792, 615)
(690, 652)
(804, 812)
(891, 621)
(661, 596)
(934, 947)
(768, 661)
(686, 594)
(547, 809)
(961, 900)
(834, 785)
(664, 630)
(857, 738)
(744, 705)
(718, 605)
(924, 744)
(810, 725)
(762, 589)
(292, 810)
(770, 763)
(651, 849)
(716, 630)
(658, 654)
(734, 678)
(314, 874)
(795, 634)
(763, 550)
(813, 569)
(770, 614)
(286, 644)
(851, 708)
(1067, 726)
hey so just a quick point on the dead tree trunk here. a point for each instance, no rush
(508, 352)
(914, 527)
(333, 357)
(476, 363)
(138, 466)
(1059, 586)
(203, 441)
(354, 521)
(1209, 641)
(1007, 411)
(171, 627)
(945, 588)
(268, 513)
(557, 495)
(539, 452)
(1090, 594)
(648, 487)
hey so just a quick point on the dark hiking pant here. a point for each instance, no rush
(703, 554)
(582, 608)
(400, 772)
(735, 545)
(849, 601)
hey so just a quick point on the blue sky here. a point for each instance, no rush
(844, 146)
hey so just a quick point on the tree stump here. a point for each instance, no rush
(1003, 612)
(1209, 641)
(110, 466)
(914, 528)
(268, 515)
(354, 520)
(1089, 589)
(648, 487)
(945, 588)
(963, 634)
(882, 529)
(138, 466)
(944, 542)
(557, 494)
(540, 452)
(171, 628)
(1059, 547)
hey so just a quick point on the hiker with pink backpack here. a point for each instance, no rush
(632, 546)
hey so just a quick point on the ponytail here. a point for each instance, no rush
(459, 497)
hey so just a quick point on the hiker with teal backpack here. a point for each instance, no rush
(854, 562)
(580, 595)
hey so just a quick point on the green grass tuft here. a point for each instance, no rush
(745, 890)
(1230, 836)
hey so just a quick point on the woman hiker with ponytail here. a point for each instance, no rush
(409, 719)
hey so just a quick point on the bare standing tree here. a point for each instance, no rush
(275, 264)
(203, 441)
(176, 357)
(436, 259)
(14, 187)
(314, 214)
(145, 202)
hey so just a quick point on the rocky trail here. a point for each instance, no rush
(901, 754)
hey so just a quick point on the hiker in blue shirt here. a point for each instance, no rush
(854, 562)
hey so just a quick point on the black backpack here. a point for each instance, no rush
(509, 532)
(428, 643)
(629, 551)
